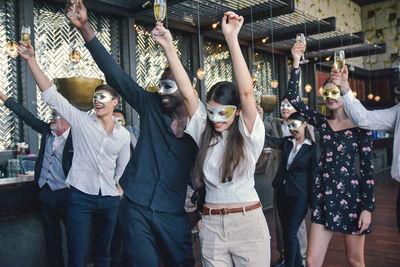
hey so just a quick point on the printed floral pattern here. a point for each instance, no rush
(338, 194)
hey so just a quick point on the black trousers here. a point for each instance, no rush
(292, 211)
(149, 235)
(54, 205)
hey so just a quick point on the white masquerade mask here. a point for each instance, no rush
(220, 113)
(167, 87)
(102, 97)
(54, 117)
(286, 105)
(121, 121)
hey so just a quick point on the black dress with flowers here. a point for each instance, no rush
(338, 194)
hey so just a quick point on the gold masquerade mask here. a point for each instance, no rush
(294, 124)
(332, 93)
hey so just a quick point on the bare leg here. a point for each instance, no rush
(317, 245)
(355, 249)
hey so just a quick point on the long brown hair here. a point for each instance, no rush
(224, 93)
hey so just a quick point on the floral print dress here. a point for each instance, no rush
(338, 193)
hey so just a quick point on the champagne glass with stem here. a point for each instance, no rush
(25, 36)
(73, 14)
(302, 39)
(339, 59)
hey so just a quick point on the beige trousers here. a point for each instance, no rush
(240, 239)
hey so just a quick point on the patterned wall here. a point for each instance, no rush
(150, 58)
(217, 63)
(55, 38)
(9, 127)
(262, 70)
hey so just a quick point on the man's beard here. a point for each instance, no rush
(172, 104)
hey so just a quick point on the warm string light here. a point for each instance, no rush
(308, 88)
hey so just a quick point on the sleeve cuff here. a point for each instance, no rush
(92, 43)
(46, 94)
(197, 123)
(349, 95)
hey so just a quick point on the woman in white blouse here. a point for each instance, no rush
(230, 135)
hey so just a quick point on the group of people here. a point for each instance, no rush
(213, 145)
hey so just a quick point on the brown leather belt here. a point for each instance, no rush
(226, 211)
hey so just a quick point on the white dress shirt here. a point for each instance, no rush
(59, 141)
(293, 152)
(241, 188)
(383, 119)
(99, 158)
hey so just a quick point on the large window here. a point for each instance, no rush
(56, 38)
(9, 127)
(150, 57)
(217, 63)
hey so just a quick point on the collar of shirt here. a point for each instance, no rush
(117, 126)
(64, 135)
(306, 141)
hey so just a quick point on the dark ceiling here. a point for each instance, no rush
(262, 18)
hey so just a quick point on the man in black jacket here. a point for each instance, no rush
(51, 169)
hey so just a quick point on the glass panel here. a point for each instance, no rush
(217, 63)
(55, 39)
(9, 126)
(150, 58)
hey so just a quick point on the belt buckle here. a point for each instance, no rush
(224, 211)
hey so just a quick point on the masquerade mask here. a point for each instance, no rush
(54, 117)
(332, 93)
(167, 87)
(102, 97)
(221, 113)
(286, 105)
(121, 121)
(294, 124)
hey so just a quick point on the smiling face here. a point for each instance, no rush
(286, 109)
(104, 103)
(221, 116)
(170, 96)
(331, 96)
(57, 124)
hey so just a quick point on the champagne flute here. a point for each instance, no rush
(25, 36)
(73, 14)
(160, 9)
(302, 39)
(339, 59)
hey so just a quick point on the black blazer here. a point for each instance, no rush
(43, 128)
(301, 173)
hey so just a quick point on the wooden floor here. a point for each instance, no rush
(382, 247)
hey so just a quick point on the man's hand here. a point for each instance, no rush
(81, 10)
(162, 36)
(25, 50)
(231, 25)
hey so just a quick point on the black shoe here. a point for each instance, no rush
(279, 263)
